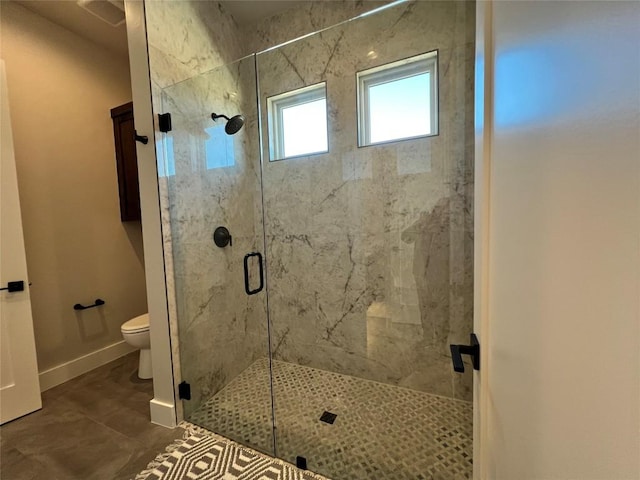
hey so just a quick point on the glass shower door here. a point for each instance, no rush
(210, 180)
(368, 199)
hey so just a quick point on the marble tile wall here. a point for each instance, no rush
(308, 17)
(370, 249)
(347, 232)
(187, 39)
(216, 183)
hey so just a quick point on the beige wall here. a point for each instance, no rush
(560, 332)
(61, 88)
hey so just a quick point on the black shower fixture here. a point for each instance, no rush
(234, 124)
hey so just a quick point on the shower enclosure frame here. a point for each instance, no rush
(358, 310)
(165, 407)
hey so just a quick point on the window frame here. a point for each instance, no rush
(398, 70)
(276, 104)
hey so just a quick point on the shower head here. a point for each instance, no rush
(234, 124)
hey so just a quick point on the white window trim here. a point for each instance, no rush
(408, 67)
(275, 107)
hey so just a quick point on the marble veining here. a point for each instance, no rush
(370, 249)
(189, 37)
(302, 20)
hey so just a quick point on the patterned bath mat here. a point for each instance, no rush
(202, 455)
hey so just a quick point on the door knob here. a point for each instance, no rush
(14, 286)
(472, 350)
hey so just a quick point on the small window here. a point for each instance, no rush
(398, 100)
(298, 122)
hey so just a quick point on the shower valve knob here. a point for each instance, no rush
(222, 237)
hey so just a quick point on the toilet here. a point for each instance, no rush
(136, 334)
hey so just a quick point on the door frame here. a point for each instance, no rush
(489, 438)
(163, 405)
(483, 123)
(22, 395)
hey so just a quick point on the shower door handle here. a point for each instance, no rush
(472, 350)
(247, 288)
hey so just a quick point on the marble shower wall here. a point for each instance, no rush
(309, 17)
(370, 250)
(187, 39)
(365, 197)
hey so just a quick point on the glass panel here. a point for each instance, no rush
(212, 180)
(370, 259)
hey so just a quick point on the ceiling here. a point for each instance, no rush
(69, 15)
(72, 17)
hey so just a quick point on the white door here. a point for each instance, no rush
(19, 384)
(559, 173)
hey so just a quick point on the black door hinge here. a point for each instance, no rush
(473, 350)
(184, 391)
(17, 286)
(164, 122)
(301, 463)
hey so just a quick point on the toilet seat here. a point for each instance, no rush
(136, 325)
(136, 333)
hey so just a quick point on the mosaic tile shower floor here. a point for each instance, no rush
(381, 432)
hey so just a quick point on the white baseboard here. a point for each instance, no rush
(74, 368)
(163, 414)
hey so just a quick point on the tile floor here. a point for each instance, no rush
(97, 426)
(380, 432)
(93, 427)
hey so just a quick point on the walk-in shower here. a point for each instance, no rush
(347, 188)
